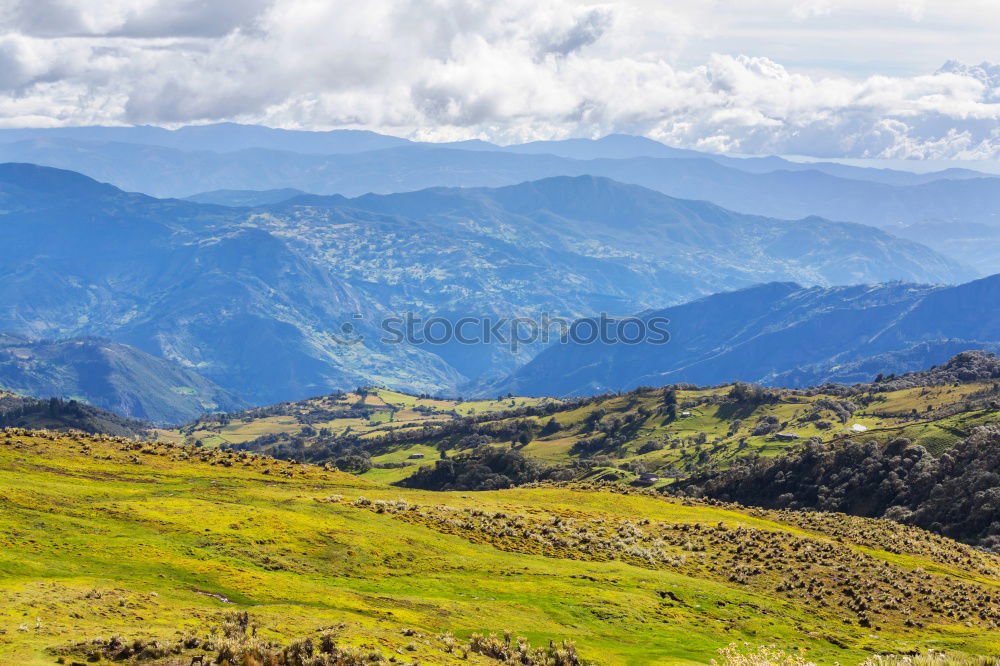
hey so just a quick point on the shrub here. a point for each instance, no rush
(734, 655)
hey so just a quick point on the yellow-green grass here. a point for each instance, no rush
(403, 454)
(152, 532)
(463, 408)
(904, 401)
(400, 410)
(553, 449)
(391, 474)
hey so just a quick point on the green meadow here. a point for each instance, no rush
(104, 537)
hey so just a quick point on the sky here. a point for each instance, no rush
(884, 79)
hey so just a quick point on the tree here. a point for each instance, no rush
(550, 428)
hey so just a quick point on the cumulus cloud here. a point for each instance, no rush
(810, 8)
(135, 18)
(505, 70)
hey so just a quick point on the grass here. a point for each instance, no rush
(101, 537)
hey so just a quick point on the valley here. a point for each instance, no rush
(507, 333)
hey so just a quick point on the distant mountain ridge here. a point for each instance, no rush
(976, 245)
(769, 186)
(256, 299)
(216, 137)
(783, 335)
(111, 376)
(233, 137)
(247, 198)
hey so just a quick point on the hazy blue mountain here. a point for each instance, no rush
(613, 146)
(187, 282)
(788, 193)
(870, 174)
(254, 299)
(914, 358)
(623, 146)
(246, 198)
(232, 137)
(217, 137)
(109, 375)
(781, 334)
(977, 245)
(798, 193)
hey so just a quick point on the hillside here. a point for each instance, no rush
(160, 550)
(257, 300)
(18, 411)
(110, 375)
(672, 432)
(781, 335)
(977, 245)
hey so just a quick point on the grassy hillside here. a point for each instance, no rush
(105, 537)
(614, 436)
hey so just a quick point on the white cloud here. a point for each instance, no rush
(512, 70)
(914, 9)
(810, 8)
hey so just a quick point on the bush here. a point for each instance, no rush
(484, 468)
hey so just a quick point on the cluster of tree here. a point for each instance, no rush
(669, 404)
(957, 494)
(752, 394)
(969, 366)
(843, 409)
(345, 453)
(766, 425)
(483, 468)
(58, 414)
(966, 367)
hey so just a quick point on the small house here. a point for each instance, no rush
(647, 479)
(786, 436)
(416, 456)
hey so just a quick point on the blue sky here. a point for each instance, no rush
(811, 77)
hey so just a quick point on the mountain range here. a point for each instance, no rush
(256, 299)
(233, 137)
(195, 160)
(781, 334)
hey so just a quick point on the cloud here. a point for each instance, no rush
(133, 18)
(810, 8)
(506, 70)
(913, 9)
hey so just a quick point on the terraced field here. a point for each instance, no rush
(158, 549)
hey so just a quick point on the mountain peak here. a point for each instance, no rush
(47, 187)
